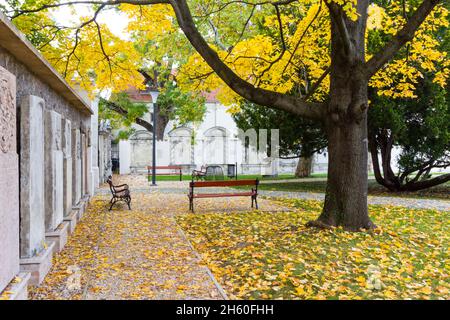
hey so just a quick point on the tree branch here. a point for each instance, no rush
(425, 184)
(245, 89)
(337, 15)
(317, 84)
(217, 36)
(116, 108)
(403, 36)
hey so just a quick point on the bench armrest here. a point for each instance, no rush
(121, 187)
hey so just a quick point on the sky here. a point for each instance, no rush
(69, 16)
(116, 21)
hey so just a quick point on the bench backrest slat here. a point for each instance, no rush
(230, 183)
(165, 167)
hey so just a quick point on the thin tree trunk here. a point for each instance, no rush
(304, 167)
(161, 124)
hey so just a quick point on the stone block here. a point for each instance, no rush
(32, 201)
(76, 166)
(67, 175)
(80, 208)
(9, 186)
(84, 164)
(54, 177)
(38, 266)
(58, 237)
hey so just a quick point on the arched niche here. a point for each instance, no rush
(181, 148)
(215, 145)
(141, 150)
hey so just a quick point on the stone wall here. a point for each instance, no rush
(51, 118)
(30, 84)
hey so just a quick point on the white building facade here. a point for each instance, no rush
(215, 141)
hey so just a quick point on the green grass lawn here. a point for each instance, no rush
(241, 176)
(439, 192)
(272, 255)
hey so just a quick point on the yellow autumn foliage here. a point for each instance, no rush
(272, 255)
(258, 58)
(261, 61)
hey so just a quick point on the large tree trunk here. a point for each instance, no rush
(346, 193)
(346, 126)
(304, 167)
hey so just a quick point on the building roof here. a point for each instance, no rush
(140, 96)
(143, 96)
(15, 43)
(211, 97)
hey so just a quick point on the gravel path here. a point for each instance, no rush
(413, 203)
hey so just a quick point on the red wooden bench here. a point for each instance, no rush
(173, 171)
(253, 193)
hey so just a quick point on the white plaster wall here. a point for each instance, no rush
(206, 152)
(163, 153)
(124, 156)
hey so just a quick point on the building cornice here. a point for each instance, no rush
(15, 42)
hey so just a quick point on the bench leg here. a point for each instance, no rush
(256, 203)
(128, 203)
(252, 201)
(113, 201)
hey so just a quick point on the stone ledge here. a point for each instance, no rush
(72, 220)
(58, 237)
(79, 209)
(86, 198)
(82, 205)
(19, 290)
(38, 266)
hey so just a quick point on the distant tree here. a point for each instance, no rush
(420, 127)
(172, 104)
(299, 138)
(419, 124)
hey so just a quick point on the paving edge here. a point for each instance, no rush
(207, 270)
